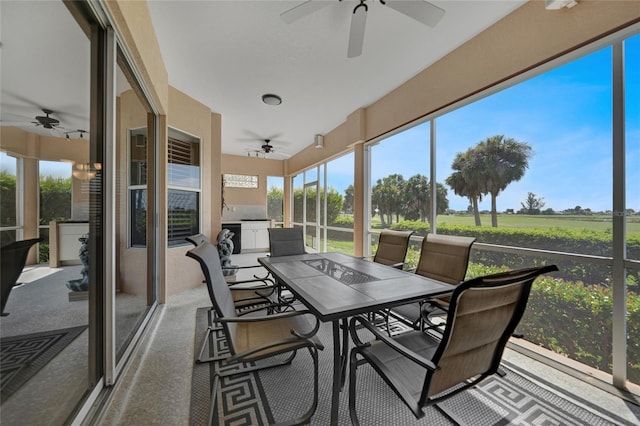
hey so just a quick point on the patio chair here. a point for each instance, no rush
(245, 293)
(426, 368)
(392, 248)
(14, 257)
(285, 242)
(253, 338)
(444, 258)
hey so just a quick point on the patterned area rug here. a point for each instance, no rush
(23, 356)
(283, 393)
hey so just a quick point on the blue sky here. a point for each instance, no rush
(564, 114)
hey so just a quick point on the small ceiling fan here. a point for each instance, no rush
(420, 10)
(46, 121)
(265, 149)
(266, 145)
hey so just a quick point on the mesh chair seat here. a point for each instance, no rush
(444, 258)
(286, 242)
(392, 247)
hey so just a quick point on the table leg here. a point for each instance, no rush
(344, 357)
(337, 373)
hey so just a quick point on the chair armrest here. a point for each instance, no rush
(266, 317)
(235, 268)
(398, 265)
(242, 267)
(277, 316)
(430, 309)
(382, 337)
(257, 307)
(430, 306)
(285, 343)
(255, 280)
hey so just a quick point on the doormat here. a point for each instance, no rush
(21, 357)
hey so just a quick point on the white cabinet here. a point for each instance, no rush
(64, 243)
(255, 235)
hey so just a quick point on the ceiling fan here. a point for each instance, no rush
(266, 145)
(46, 121)
(420, 10)
(40, 120)
(265, 149)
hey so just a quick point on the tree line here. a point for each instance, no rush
(483, 170)
(393, 196)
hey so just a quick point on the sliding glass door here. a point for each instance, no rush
(50, 347)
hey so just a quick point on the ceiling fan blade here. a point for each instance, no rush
(15, 123)
(9, 116)
(302, 10)
(420, 10)
(356, 33)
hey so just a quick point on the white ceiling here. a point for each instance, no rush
(227, 54)
(45, 64)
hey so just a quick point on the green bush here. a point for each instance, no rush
(583, 241)
(343, 221)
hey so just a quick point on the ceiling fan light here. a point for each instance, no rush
(271, 99)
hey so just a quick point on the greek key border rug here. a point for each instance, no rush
(21, 357)
(282, 393)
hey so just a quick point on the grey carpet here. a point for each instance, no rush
(23, 356)
(282, 393)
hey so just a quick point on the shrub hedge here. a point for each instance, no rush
(583, 241)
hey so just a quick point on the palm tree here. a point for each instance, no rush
(347, 205)
(387, 196)
(464, 181)
(502, 161)
(416, 194)
(442, 202)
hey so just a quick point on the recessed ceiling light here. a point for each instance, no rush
(271, 99)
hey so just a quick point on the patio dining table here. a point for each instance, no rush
(336, 286)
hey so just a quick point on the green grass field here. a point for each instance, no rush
(594, 222)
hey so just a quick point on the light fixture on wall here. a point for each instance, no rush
(318, 141)
(80, 133)
(85, 171)
(271, 99)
